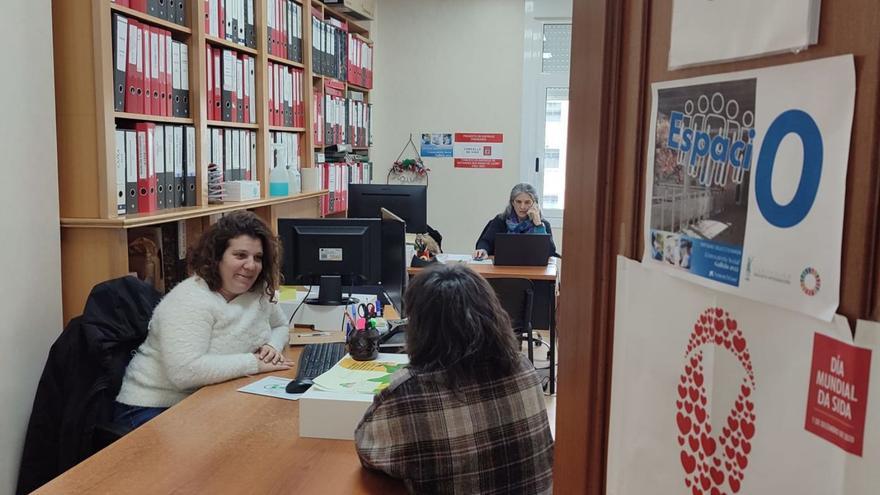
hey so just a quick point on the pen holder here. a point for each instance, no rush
(363, 345)
(419, 262)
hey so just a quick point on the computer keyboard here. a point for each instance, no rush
(318, 358)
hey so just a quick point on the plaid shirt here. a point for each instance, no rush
(491, 437)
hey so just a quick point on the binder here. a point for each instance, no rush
(131, 187)
(228, 84)
(250, 32)
(179, 161)
(253, 158)
(148, 65)
(271, 98)
(153, 8)
(120, 60)
(213, 14)
(252, 82)
(120, 172)
(174, 189)
(221, 19)
(190, 166)
(228, 14)
(246, 89)
(217, 152)
(235, 153)
(146, 173)
(159, 160)
(218, 96)
(154, 70)
(169, 76)
(239, 90)
(180, 18)
(161, 10)
(175, 79)
(228, 165)
(288, 97)
(184, 80)
(242, 22)
(171, 191)
(139, 5)
(133, 102)
(163, 97)
(209, 76)
(233, 21)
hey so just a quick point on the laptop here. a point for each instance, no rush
(522, 249)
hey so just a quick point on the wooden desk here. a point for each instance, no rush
(219, 440)
(544, 279)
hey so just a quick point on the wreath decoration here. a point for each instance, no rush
(408, 169)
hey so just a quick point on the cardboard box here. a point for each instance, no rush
(241, 190)
(335, 415)
(358, 9)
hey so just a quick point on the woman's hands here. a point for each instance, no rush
(480, 254)
(269, 359)
(535, 215)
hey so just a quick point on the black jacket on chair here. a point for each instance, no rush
(82, 377)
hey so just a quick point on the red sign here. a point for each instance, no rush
(838, 394)
(478, 150)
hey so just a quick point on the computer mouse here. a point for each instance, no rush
(299, 386)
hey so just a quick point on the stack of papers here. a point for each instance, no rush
(361, 377)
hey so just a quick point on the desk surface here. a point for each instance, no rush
(219, 440)
(548, 272)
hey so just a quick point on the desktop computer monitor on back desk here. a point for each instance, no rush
(409, 202)
(332, 252)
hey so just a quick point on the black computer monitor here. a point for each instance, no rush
(408, 202)
(331, 252)
(394, 276)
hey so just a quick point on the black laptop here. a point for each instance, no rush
(522, 249)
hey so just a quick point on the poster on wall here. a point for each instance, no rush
(436, 145)
(706, 31)
(478, 150)
(746, 178)
(713, 393)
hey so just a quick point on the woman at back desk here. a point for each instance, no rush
(521, 216)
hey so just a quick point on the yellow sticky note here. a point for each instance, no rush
(288, 293)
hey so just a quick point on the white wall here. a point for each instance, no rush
(450, 66)
(30, 284)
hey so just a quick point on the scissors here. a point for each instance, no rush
(366, 310)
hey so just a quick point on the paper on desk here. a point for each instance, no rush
(461, 258)
(364, 377)
(272, 386)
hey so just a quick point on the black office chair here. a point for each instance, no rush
(516, 296)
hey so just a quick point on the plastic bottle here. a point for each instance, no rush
(294, 180)
(278, 182)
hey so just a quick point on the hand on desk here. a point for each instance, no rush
(270, 359)
(480, 254)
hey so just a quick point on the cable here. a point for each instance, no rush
(300, 305)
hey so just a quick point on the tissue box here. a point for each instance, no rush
(241, 190)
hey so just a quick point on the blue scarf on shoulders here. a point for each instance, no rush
(514, 226)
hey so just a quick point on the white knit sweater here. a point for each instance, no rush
(197, 338)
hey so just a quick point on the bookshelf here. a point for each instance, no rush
(94, 237)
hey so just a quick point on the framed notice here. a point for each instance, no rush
(478, 150)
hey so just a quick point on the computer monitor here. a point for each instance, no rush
(332, 252)
(408, 202)
(394, 276)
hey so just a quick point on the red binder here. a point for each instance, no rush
(218, 95)
(146, 171)
(148, 77)
(163, 91)
(209, 73)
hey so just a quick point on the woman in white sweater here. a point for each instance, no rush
(221, 323)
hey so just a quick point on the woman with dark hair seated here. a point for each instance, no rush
(468, 414)
(521, 216)
(219, 324)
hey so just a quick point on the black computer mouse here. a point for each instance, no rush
(299, 386)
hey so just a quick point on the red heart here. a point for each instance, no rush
(695, 361)
(719, 325)
(735, 441)
(725, 432)
(742, 461)
(688, 370)
(719, 312)
(684, 423)
(688, 407)
(697, 428)
(694, 393)
(729, 452)
(739, 343)
(732, 423)
(748, 429)
(734, 484)
(717, 476)
(719, 339)
(705, 481)
(731, 324)
(697, 491)
(703, 319)
(739, 406)
(717, 461)
(694, 442)
(687, 482)
(682, 391)
(728, 466)
(700, 413)
(681, 440)
(688, 462)
(749, 405)
(703, 400)
(678, 405)
(746, 446)
(708, 444)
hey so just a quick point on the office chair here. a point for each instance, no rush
(516, 296)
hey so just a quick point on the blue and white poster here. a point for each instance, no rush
(746, 180)
(436, 145)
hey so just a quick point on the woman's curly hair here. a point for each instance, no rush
(204, 260)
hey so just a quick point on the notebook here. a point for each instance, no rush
(522, 249)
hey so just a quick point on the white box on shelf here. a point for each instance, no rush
(323, 318)
(241, 190)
